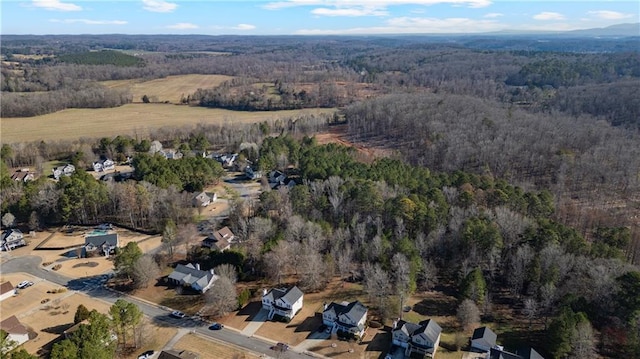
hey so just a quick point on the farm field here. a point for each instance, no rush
(170, 88)
(131, 119)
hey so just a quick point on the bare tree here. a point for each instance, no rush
(530, 309)
(228, 271)
(222, 298)
(582, 342)
(401, 277)
(8, 219)
(428, 275)
(276, 261)
(376, 284)
(312, 271)
(185, 234)
(468, 314)
(145, 269)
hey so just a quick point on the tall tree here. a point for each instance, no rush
(222, 298)
(169, 235)
(125, 259)
(468, 314)
(145, 269)
(126, 316)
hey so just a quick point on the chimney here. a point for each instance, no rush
(264, 292)
(324, 306)
(395, 323)
(211, 271)
(198, 266)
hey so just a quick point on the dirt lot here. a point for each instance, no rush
(373, 345)
(208, 349)
(28, 298)
(155, 338)
(306, 321)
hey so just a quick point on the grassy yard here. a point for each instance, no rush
(131, 119)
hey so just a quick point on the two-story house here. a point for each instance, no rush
(11, 238)
(66, 170)
(346, 317)
(422, 338)
(105, 244)
(104, 165)
(282, 302)
(483, 339)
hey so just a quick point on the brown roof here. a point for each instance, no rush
(177, 354)
(12, 325)
(6, 287)
(223, 233)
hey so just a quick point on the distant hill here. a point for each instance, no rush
(632, 29)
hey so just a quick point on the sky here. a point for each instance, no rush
(308, 17)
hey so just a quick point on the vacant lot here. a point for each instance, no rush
(208, 349)
(132, 120)
(170, 88)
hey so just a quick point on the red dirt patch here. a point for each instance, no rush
(366, 153)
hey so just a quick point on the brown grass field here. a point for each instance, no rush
(170, 88)
(132, 120)
(208, 349)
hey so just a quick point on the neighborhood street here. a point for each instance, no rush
(93, 286)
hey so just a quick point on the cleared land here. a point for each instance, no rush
(170, 88)
(132, 120)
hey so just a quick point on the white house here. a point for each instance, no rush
(283, 302)
(104, 165)
(202, 199)
(11, 238)
(483, 339)
(346, 317)
(422, 338)
(15, 330)
(66, 170)
(191, 276)
(6, 290)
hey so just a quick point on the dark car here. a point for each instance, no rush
(216, 326)
(280, 347)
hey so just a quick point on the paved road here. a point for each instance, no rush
(93, 286)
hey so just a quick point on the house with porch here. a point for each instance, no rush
(191, 276)
(23, 175)
(346, 317)
(420, 339)
(11, 238)
(282, 302)
(220, 239)
(104, 165)
(104, 244)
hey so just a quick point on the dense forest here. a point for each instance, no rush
(511, 175)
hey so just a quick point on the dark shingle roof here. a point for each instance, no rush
(486, 335)
(6, 287)
(431, 330)
(111, 239)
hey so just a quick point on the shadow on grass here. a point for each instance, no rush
(86, 264)
(439, 306)
(310, 324)
(57, 329)
(381, 342)
(251, 310)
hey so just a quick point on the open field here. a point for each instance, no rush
(208, 349)
(132, 120)
(170, 88)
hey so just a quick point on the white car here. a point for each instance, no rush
(24, 284)
(177, 314)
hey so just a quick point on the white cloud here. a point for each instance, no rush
(56, 5)
(493, 15)
(340, 6)
(244, 27)
(183, 26)
(349, 12)
(417, 25)
(609, 15)
(89, 22)
(159, 6)
(549, 16)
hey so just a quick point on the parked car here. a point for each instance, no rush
(146, 355)
(24, 284)
(216, 326)
(177, 314)
(280, 347)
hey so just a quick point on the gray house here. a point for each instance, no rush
(283, 302)
(483, 339)
(105, 243)
(422, 338)
(191, 276)
(346, 317)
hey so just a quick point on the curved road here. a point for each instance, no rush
(93, 286)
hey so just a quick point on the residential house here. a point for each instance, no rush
(483, 339)
(523, 353)
(66, 170)
(202, 199)
(276, 177)
(171, 154)
(12, 238)
(226, 160)
(23, 175)
(421, 339)
(104, 243)
(191, 276)
(346, 317)
(282, 302)
(17, 332)
(6, 290)
(220, 240)
(104, 165)
(251, 174)
(177, 354)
